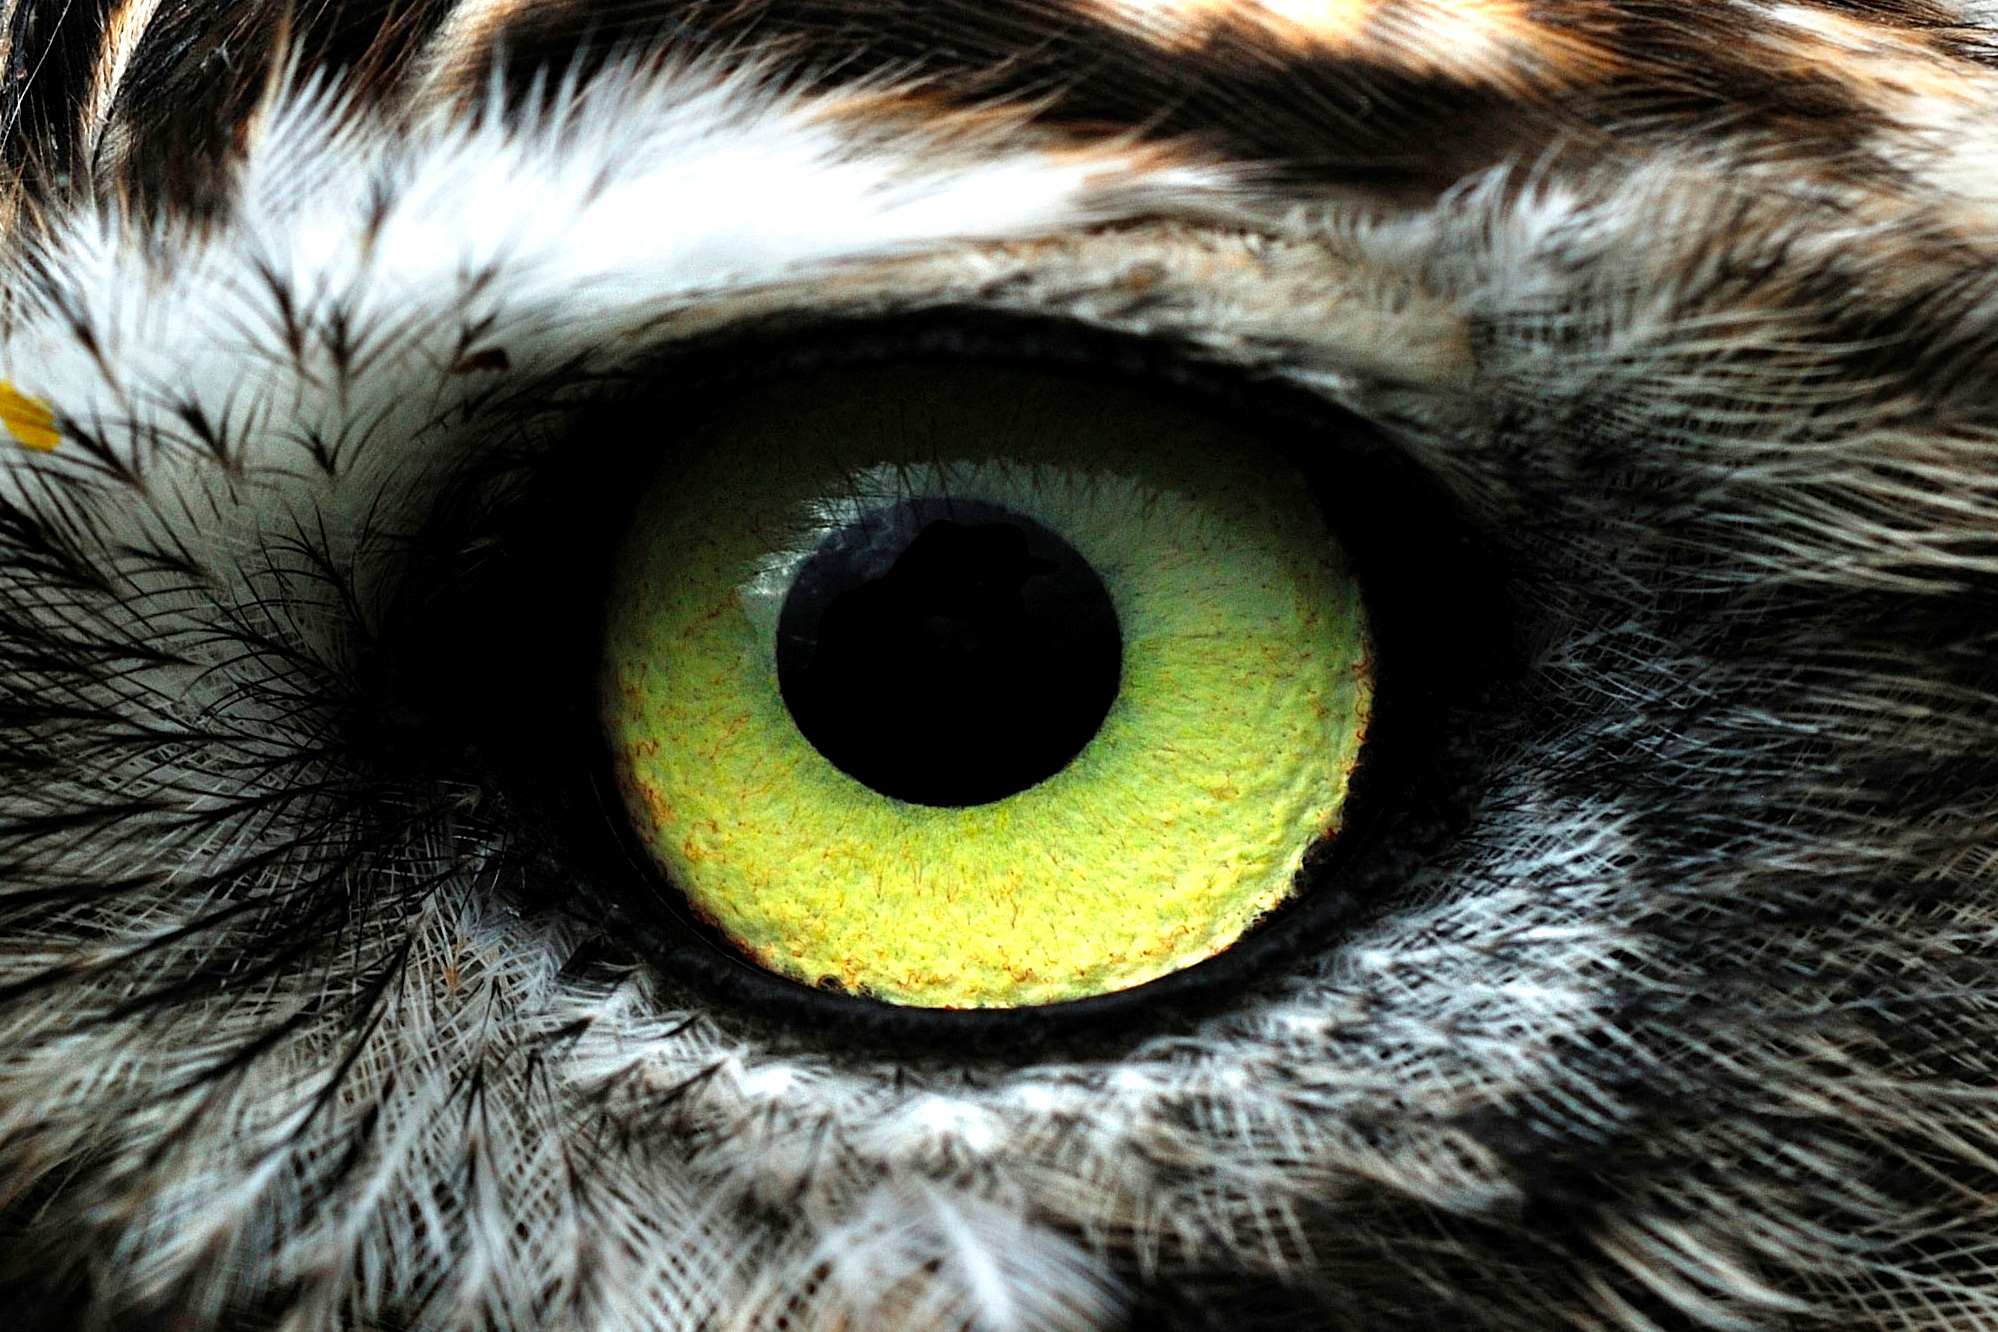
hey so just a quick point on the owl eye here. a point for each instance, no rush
(958, 680)
(973, 687)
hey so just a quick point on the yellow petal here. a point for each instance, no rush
(29, 420)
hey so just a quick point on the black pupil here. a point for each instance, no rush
(948, 652)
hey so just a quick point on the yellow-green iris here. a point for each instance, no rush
(1244, 698)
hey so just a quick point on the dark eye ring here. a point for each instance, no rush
(504, 653)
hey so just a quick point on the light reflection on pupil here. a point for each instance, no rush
(948, 652)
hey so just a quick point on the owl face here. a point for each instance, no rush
(1020, 666)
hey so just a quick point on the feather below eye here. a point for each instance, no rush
(1639, 355)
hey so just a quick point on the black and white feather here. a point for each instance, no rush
(1691, 308)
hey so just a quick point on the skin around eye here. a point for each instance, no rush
(973, 687)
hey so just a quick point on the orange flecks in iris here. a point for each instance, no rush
(29, 420)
